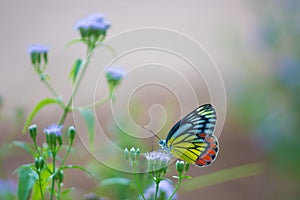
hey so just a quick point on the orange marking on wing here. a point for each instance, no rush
(207, 158)
(212, 152)
(200, 162)
(210, 139)
(202, 135)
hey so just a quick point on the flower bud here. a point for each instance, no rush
(59, 139)
(37, 163)
(60, 176)
(137, 154)
(132, 154)
(71, 132)
(179, 166)
(187, 167)
(33, 131)
(126, 153)
(42, 162)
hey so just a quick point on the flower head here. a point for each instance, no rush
(53, 129)
(37, 53)
(165, 190)
(114, 76)
(93, 25)
(37, 48)
(158, 160)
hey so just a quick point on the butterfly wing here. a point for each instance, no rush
(192, 139)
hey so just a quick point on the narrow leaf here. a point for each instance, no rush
(89, 120)
(80, 168)
(75, 69)
(38, 107)
(24, 146)
(222, 176)
(115, 181)
(27, 178)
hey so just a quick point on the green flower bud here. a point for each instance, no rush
(137, 154)
(42, 162)
(59, 139)
(126, 153)
(53, 139)
(187, 167)
(132, 154)
(60, 176)
(71, 132)
(37, 163)
(33, 131)
(179, 166)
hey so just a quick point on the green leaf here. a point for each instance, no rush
(89, 120)
(73, 42)
(45, 182)
(222, 176)
(27, 178)
(24, 146)
(115, 181)
(186, 176)
(78, 167)
(37, 108)
(75, 69)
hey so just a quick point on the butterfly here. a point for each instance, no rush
(192, 139)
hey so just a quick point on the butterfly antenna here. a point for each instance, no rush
(151, 132)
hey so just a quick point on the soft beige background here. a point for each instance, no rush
(225, 29)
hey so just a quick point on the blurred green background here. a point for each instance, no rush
(254, 43)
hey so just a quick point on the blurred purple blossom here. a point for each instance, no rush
(7, 187)
(115, 73)
(53, 129)
(93, 22)
(289, 71)
(165, 190)
(37, 48)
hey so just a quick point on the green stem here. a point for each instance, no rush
(40, 185)
(137, 183)
(58, 190)
(53, 178)
(99, 102)
(176, 188)
(50, 87)
(85, 63)
(156, 189)
(66, 155)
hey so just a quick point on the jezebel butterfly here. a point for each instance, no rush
(192, 139)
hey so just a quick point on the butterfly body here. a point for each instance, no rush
(191, 139)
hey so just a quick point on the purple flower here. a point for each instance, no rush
(115, 74)
(94, 24)
(37, 49)
(289, 71)
(53, 129)
(165, 190)
(7, 187)
(158, 161)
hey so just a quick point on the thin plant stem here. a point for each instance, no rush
(66, 155)
(137, 182)
(99, 102)
(58, 190)
(156, 189)
(53, 178)
(50, 87)
(85, 63)
(40, 185)
(176, 188)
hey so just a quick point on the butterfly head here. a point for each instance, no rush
(163, 144)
